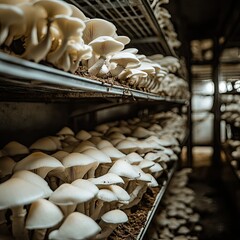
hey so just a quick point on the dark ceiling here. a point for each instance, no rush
(201, 19)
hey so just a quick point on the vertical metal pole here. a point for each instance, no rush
(216, 105)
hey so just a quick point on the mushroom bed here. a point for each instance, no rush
(59, 35)
(86, 185)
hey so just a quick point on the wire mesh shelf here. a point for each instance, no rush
(133, 18)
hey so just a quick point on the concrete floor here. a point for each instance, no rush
(219, 217)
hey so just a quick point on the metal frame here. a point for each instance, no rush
(22, 73)
(133, 18)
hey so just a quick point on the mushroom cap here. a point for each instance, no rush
(127, 146)
(107, 179)
(125, 59)
(14, 148)
(6, 165)
(10, 14)
(141, 132)
(146, 164)
(133, 158)
(143, 176)
(65, 131)
(130, 72)
(151, 156)
(98, 155)
(156, 168)
(67, 194)
(153, 182)
(76, 12)
(131, 50)
(124, 169)
(84, 145)
(76, 226)
(107, 195)
(105, 45)
(113, 152)
(103, 144)
(123, 39)
(116, 135)
(83, 135)
(69, 26)
(44, 144)
(86, 184)
(121, 193)
(60, 155)
(34, 179)
(115, 216)
(43, 214)
(102, 128)
(55, 7)
(71, 140)
(96, 27)
(38, 160)
(17, 192)
(77, 159)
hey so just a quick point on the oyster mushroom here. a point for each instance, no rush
(42, 214)
(76, 226)
(103, 46)
(15, 193)
(109, 221)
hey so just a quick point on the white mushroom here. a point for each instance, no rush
(38, 162)
(76, 226)
(15, 193)
(9, 15)
(103, 46)
(14, 148)
(109, 221)
(67, 196)
(77, 165)
(42, 214)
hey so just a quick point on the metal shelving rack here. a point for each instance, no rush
(133, 18)
(20, 76)
(27, 81)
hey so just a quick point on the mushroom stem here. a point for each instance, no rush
(53, 182)
(95, 213)
(106, 230)
(39, 234)
(116, 71)
(54, 56)
(81, 208)
(68, 209)
(18, 223)
(95, 68)
(38, 52)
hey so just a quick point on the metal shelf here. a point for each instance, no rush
(21, 77)
(158, 199)
(133, 18)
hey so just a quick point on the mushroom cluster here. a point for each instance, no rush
(48, 30)
(176, 219)
(163, 17)
(59, 34)
(202, 49)
(79, 186)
